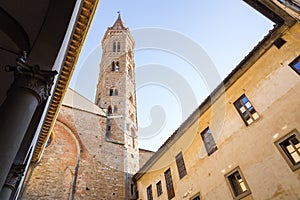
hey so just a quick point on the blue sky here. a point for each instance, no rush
(177, 41)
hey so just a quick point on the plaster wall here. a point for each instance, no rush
(273, 89)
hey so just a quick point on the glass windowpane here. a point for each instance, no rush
(248, 105)
(297, 67)
(255, 116)
(242, 109)
(296, 157)
(243, 186)
(249, 121)
(290, 148)
(294, 141)
(238, 104)
(245, 100)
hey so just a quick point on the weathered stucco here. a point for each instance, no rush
(273, 89)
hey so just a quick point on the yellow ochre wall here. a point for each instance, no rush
(273, 88)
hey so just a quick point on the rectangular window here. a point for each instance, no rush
(246, 110)
(289, 147)
(238, 185)
(209, 141)
(279, 43)
(295, 65)
(149, 192)
(169, 183)
(159, 188)
(196, 198)
(180, 165)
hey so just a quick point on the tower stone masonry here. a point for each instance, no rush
(116, 91)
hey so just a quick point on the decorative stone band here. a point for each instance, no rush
(14, 176)
(38, 81)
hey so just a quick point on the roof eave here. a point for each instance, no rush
(83, 21)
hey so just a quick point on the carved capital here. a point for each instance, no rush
(38, 81)
(14, 176)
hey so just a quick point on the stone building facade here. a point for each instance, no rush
(93, 150)
(243, 141)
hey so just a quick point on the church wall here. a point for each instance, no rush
(272, 87)
(100, 174)
(52, 178)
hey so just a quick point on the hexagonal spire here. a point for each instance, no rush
(118, 25)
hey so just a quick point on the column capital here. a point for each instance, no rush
(38, 81)
(14, 176)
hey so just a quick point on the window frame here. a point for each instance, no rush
(115, 66)
(149, 192)
(233, 190)
(284, 152)
(169, 184)
(240, 100)
(196, 196)
(113, 91)
(159, 190)
(292, 64)
(279, 42)
(212, 149)
(180, 165)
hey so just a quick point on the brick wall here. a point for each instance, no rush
(79, 153)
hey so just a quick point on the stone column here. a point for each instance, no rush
(14, 176)
(30, 87)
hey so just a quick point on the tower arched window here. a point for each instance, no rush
(117, 66)
(113, 91)
(109, 110)
(116, 46)
(113, 66)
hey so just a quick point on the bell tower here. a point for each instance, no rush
(116, 93)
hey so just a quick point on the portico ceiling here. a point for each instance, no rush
(35, 26)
